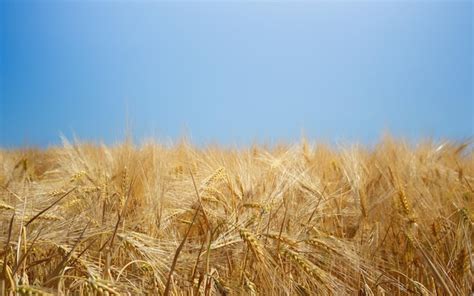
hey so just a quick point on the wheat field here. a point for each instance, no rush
(290, 219)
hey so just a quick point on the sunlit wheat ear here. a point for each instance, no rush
(177, 171)
(405, 207)
(250, 286)
(74, 204)
(403, 202)
(464, 216)
(104, 190)
(317, 243)
(254, 205)
(284, 239)
(432, 284)
(123, 188)
(30, 291)
(304, 265)
(57, 192)
(49, 217)
(210, 191)
(77, 176)
(252, 243)
(463, 263)
(90, 189)
(218, 176)
(101, 288)
(421, 289)
(210, 199)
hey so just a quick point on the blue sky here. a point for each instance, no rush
(235, 72)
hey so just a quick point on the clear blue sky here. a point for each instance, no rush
(234, 72)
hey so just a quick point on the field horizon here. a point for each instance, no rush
(297, 219)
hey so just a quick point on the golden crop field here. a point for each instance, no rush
(300, 219)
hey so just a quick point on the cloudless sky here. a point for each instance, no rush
(235, 72)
